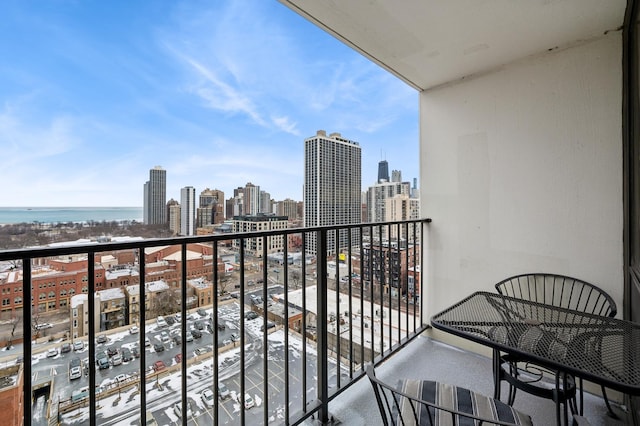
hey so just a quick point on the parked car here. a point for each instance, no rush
(78, 345)
(102, 338)
(147, 342)
(207, 397)
(159, 366)
(177, 408)
(160, 321)
(112, 350)
(189, 336)
(135, 352)
(196, 334)
(126, 354)
(178, 358)
(75, 373)
(221, 325)
(223, 391)
(170, 320)
(248, 401)
(43, 326)
(269, 325)
(251, 315)
(158, 347)
(234, 337)
(66, 347)
(133, 330)
(199, 325)
(177, 340)
(52, 352)
(202, 312)
(116, 359)
(102, 360)
(202, 350)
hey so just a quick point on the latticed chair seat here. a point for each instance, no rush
(426, 402)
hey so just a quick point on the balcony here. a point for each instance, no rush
(305, 377)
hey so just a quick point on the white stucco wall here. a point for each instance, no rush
(521, 171)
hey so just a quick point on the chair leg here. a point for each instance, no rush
(496, 374)
(606, 401)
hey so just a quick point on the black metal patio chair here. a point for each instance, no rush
(560, 291)
(425, 402)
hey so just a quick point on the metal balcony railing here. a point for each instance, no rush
(291, 330)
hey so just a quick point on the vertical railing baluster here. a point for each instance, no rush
(322, 328)
(183, 292)
(214, 324)
(286, 327)
(362, 275)
(142, 320)
(371, 302)
(383, 275)
(265, 340)
(337, 246)
(304, 322)
(350, 284)
(91, 275)
(26, 330)
(243, 364)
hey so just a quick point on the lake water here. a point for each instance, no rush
(10, 215)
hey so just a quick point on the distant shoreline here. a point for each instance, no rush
(56, 215)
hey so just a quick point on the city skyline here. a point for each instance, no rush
(217, 94)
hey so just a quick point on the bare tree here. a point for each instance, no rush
(168, 302)
(295, 277)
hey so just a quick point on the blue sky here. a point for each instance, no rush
(218, 93)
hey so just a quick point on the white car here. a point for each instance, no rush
(78, 345)
(75, 373)
(52, 352)
(133, 330)
(207, 397)
(116, 359)
(161, 322)
(248, 401)
(177, 408)
(43, 326)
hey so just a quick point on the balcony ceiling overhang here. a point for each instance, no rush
(428, 43)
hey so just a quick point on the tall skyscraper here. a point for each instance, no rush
(187, 210)
(155, 197)
(383, 171)
(332, 184)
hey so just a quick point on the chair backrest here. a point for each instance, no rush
(559, 290)
(404, 408)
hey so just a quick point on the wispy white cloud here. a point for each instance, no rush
(284, 123)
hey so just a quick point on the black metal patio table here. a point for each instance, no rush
(599, 349)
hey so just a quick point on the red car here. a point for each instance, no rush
(178, 358)
(159, 366)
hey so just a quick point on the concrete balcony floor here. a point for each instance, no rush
(430, 359)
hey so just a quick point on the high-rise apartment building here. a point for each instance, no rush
(187, 210)
(378, 194)
(251, 199)
(173, 209)
(210, 208)
(155, 197)
(332, 184)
